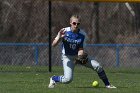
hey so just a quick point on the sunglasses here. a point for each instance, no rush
(74, 23)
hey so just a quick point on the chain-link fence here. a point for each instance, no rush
(27, 21)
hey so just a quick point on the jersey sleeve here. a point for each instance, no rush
(85, 38)
(82, 43)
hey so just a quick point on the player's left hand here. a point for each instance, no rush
(82, 59)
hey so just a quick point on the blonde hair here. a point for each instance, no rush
(75, 16)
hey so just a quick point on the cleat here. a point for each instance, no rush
(52, 83)
(110, 86)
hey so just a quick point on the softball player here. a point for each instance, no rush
(73, 39)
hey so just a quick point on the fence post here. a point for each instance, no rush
(50, 34)
(97, 22)
(117, 56)
(36, 55)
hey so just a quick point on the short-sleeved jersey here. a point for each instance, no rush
(72, 41)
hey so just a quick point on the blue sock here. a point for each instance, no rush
(104, 78)
(56, 78)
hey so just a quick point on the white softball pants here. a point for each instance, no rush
(68, 67)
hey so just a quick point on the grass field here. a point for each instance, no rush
(37, 82)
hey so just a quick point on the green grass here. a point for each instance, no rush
(32, 81)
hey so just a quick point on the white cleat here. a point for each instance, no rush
(52, 83)
(110, 86)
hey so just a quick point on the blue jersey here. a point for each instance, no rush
(72, 42)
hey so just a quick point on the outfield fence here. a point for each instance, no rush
(112, 28)
(18, 56)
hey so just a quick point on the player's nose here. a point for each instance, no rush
(76, 26)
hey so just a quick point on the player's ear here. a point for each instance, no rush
(70, 23)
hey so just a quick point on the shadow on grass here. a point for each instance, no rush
(90, 87)
(100, 87)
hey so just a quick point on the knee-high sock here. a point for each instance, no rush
(103, 77)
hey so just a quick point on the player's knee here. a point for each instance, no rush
(99, 69)
(67, 80)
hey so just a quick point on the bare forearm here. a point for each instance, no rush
(59, 36)
(55, 41)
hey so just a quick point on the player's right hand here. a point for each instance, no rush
(61, 33)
